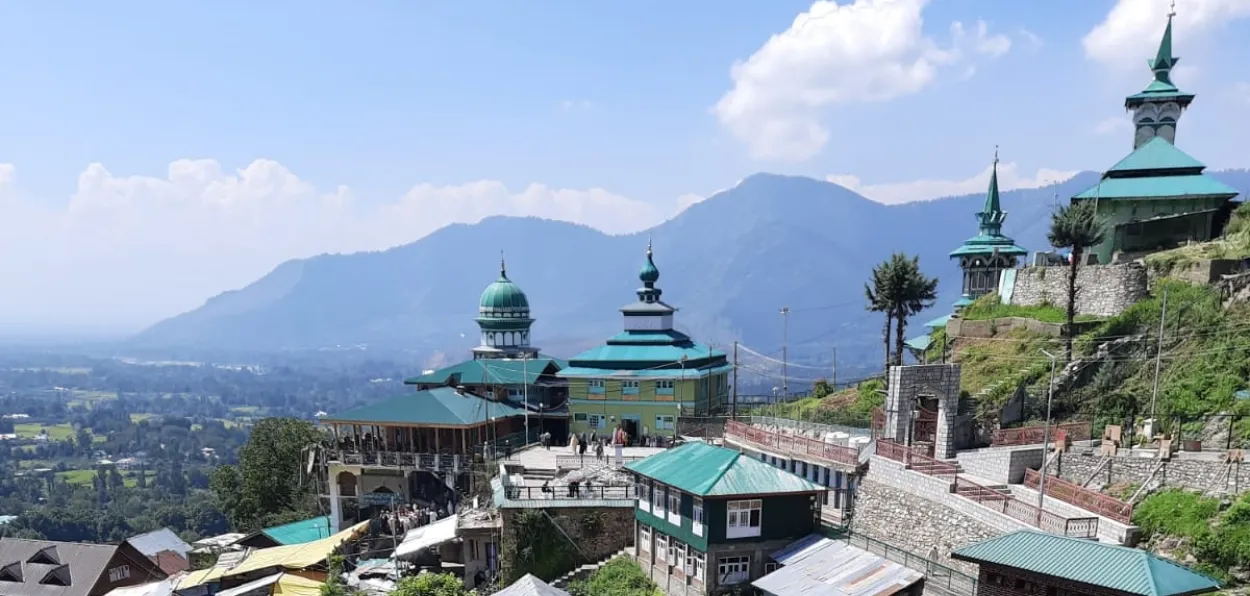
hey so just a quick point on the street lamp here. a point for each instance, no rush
(776, 405)
(1050, 395)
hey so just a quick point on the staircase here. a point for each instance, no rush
(929, 468)
(584, 571)
(990, 492)
(536, 476)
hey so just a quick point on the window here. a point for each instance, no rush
(664, 423)
(516, 393)
(595, 385)
(473, 550)
(744, 519)
(579, 417)
(595, 420)
(661, 547)
(676, 552)
(629, 387)
(119, 573)
(769, 568)
(643, 493)
(644, 537)
(733, 570)
(674, 506)
(664, 387)
(657, 500)
(695, 562)
(696, 515)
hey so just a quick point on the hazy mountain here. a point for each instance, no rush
(730, 262)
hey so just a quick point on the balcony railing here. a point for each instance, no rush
(441, 462)
(1033, 435)
(792, 445)
(915, 460)
(1073, 494)
(1079, 527)
(569, 492)
(577, 462)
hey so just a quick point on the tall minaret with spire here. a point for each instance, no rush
(985, 256)
(1158, 107)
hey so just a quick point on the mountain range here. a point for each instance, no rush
(729, 262)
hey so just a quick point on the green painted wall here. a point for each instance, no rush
(1120, 211)
(616, 410)
(784, 516)
(684, 532)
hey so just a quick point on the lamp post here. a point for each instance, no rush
(677, 395)
(1050, 395)
(785, 332)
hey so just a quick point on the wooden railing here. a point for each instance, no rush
(793, 445)
(916, 461)
(1033, 435)
(570, 492)
(1073, 494)
(1080, 527)
(389, 459)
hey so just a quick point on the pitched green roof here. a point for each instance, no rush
(1114, 567)
(920, 342)
(500, 371)
(1159, 187)
(440, 406)
(710, 471)
(984, 244)
(674, 372)
(990, 238)
(300, 532)
(1156, 154)
(938, 322)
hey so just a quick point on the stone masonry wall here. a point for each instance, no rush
(1197, 475)
(1103, 290)
(1004, 465)
(915, 524)
(597, 531)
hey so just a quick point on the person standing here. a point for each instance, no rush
(581, 447)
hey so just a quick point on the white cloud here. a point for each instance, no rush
(1009, 178)
(1032, 40)
(132, 249)
(1112, 125)
(868, 51)
(1131, 31)
(569, 105)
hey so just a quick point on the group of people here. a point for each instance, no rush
(407, 517)
(578, 445)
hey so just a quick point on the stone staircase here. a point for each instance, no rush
(985, 492)
(929, 468)
(584, 571)
(536, 476)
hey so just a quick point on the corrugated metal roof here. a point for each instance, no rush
(159, 540)
(300, 532)
(1158, 187)
(1115, 567)
(938, 322)
(1157, 154)
(710, 471)
(984, 244)
(644, 353)
(819, 566)
(529, 585)
(441, 406)
(920, 342)
(658, 373)
(499, 370)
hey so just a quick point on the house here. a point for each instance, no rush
(300, 532)
(1031, 562)
(46, 568)
(165, 548)
(709, 517)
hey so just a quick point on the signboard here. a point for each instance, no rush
(370, 499)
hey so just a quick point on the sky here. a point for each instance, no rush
(154, 154)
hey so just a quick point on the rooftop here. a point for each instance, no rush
(710, 471)
(500, 371)
(529, 585)
(300, 532)
(440, 406)
(1158, 187)
(818, 565)
(1094, 563)
(1156, 154)
(46, 568)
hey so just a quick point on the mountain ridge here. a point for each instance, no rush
(732, 260)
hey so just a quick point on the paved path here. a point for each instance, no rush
(537, 458)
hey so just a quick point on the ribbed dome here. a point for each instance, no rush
(649, 274)
(503, 296)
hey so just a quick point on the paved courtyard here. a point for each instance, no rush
(537, 458)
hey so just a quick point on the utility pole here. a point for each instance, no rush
(785, 334)
(1163, 316)
(1050, 395)
(835, 369)
(733, 409)
(525, 396)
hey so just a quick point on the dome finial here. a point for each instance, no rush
(503, 267)
(649, 273)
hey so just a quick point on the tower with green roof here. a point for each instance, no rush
(503, 316)
(647, 376)
(1158, 196)
(985, 256)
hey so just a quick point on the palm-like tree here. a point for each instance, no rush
(877, 291)
(1077, 227)
(912, 292)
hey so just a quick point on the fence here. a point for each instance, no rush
(1081, 527)
(791, 444)
(916, 461)
(936, 574)
(569, 492)
(1073, 494)
(577, 462)
(1034, 435)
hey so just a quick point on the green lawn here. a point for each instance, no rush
(245, 409)
(56, 432)
(989, 307)
(136, 418)
(77, 476)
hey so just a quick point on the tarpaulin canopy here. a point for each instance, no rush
(284, 584)
(297, 556)
(443, 530)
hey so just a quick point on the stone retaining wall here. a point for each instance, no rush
(1103, 290)
(915, 524)
(1005, 465)
(1199, 475)
(598, 532)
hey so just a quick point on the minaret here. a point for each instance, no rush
(984, 256)
(1158, 107)
(991, 216)
(649, 313)
(503, 315)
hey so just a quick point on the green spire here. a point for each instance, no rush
(503, 268)
(1164, 61)
(991, 216)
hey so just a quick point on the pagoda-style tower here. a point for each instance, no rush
(984, 256)
(503, 315)
(1158, 107)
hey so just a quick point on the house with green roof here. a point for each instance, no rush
(644, 378)
(709, 518)
(299, 532)
(505, 366)
(1158, 196)
(1029, 562)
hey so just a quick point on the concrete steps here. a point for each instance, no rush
(992, 492)
(585, 571)
(928, 468)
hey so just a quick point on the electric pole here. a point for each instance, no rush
(785, 334)
(835, 370)
(733, 409)
(1163, 316)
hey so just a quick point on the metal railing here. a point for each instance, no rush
(576, 462)
(1073, 494)
(420, 461)
(569, 492)
(936, 574)
(1080, 527)
(1033, 435)
(914, 460)
(792, 445)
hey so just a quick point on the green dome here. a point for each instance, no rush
(503, 297)
(649, 274)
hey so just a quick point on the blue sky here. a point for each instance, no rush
(377, 122)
